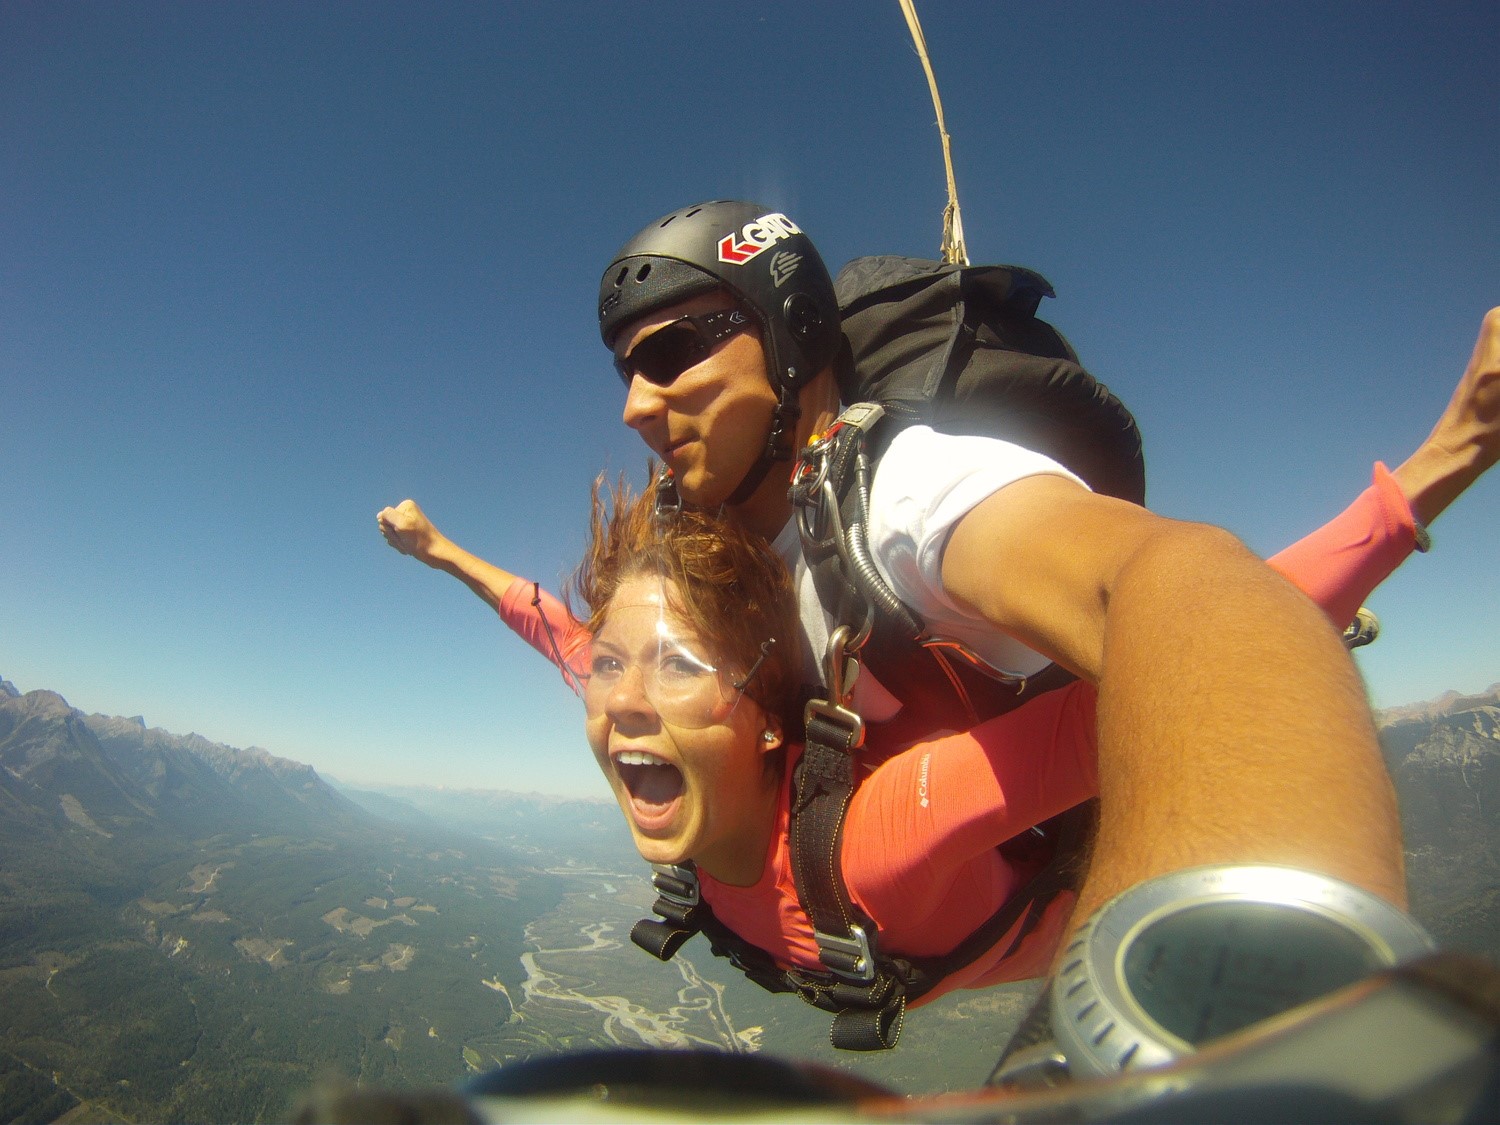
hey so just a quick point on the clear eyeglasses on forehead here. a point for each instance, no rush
(678, 345)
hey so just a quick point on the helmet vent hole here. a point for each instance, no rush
(620, 277)
(643, 273)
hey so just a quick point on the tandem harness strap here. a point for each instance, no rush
(865, 989)
(868, 997)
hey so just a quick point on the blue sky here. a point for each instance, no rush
(267, 267)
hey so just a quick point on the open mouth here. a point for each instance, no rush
(654, 785)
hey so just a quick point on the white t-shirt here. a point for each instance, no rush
(925, 483)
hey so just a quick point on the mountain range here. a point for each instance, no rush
(194, 932)
(119, 771)
(1444, 758)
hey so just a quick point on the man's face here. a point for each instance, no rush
(710, 423)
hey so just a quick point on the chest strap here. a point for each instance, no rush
(865, 990)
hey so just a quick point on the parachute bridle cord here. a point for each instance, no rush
(954, 251)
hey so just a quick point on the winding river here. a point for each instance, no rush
(583, 957)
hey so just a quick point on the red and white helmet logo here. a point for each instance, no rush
(762, 234)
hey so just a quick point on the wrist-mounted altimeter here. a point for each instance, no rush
(1181, 960)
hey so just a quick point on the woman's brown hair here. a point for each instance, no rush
(731, 587)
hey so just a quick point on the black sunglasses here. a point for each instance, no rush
(678, 345)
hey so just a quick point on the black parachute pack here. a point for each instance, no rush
(961, 349)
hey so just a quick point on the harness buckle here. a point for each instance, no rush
(850, 957)
(676, 884)
(841, 667)
(840, 670)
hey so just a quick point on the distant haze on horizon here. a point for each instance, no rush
(600, 793)
(271, 267)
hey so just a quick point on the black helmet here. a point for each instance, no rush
(758, 254)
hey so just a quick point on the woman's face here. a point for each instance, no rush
(680, 746)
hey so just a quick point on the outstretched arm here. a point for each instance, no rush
(536, 616)
(1339, 564)
(407, 529)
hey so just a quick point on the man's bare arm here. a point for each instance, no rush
(1233, 726)
(407, 529)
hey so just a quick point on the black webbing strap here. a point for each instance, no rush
(679, 907)
(660, 939)
(866, 1017)
(868, 1014)
(822, 787)
(780, 445)
(866, 993)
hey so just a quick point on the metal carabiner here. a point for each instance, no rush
(809, 480)
(841, 670)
